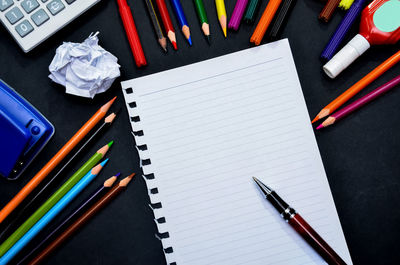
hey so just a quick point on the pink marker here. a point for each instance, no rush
(237, 14)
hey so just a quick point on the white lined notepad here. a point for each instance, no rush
(203, 131)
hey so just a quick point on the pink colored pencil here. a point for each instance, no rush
(237, 14)
(360, 102)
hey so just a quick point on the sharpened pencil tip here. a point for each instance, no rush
(315, 119)
(117, 175)
(104, 162)
(110, 143)
(126, 180)
(190, 41)
(208, 39)
(320, 126)
(175, 45)
(107, 106)
(225, 33)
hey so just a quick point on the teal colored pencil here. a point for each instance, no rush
(51, 214)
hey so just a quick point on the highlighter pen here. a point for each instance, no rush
(300, 225)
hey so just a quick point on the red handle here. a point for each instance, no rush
(315, 240)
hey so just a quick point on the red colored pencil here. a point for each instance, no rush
(166, 19)
(131, 33)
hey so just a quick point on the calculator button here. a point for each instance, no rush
(4, 4)
(24, 28)
(39, 17)
(70, 1)
(14, 15)
(29, 5)
(55, 7)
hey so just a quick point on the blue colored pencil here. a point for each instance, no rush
(180, 15)
(51, 214)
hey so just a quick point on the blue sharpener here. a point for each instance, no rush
(24, 131)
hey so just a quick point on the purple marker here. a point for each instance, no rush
(342, 29)
(237, 14)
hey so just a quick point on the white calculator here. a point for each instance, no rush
(30, 22)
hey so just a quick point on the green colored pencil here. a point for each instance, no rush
(39, 213)
(251, 11)
(201, 13)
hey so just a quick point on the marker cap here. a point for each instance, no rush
(348, 54)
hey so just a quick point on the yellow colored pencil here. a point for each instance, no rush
(221, 12)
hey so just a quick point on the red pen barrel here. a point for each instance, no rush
(315, 240)
(131, 32)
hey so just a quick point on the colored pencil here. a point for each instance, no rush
(166, 19)
(342, 29)
(50, 202)
(51, 214)
(83, 219)
(21, 214)
(345, 4)
(221, 13)
(360, 102)
(55, 161)
(156, 25)
(90, 200)
(237, 14)
(357, 87)
(281, 18)
(202, 15)
(180, 15)
(265, 20)
(251, 11)
(328, 10)
(131, 33)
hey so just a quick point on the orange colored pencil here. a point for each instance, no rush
(357, 87)
(57, 158)
(265, 20)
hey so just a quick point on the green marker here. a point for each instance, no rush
(39, 213)
(251, 11)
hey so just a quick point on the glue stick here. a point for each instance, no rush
(380, 24)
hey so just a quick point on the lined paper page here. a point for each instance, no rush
(208, 128)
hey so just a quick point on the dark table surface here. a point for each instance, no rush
(361, 153)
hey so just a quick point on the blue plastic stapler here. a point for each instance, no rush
(24, 131)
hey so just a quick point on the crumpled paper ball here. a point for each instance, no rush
(85, 69)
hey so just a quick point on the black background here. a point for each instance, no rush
(360, 154)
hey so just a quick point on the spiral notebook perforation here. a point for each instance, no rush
(202, 131)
